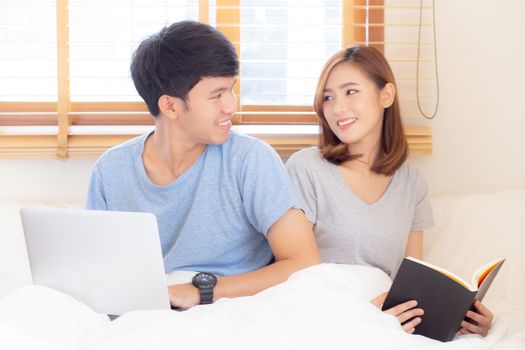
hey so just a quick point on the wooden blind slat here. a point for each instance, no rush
(227, 15)
(63, 104)
(11, 107)
(348, 18)
(204, 11)
(28, 119)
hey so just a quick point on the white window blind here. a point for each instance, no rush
(104, 33)
(282, 45)
(28, 50)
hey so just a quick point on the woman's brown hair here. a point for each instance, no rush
(393, 148)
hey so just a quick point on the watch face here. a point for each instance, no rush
(204, 279)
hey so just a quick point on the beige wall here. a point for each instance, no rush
(479, 141)
(479, 132)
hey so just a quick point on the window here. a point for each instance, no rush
(64, 65)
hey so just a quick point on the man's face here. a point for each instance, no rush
(205, 118)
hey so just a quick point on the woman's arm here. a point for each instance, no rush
(415, 245)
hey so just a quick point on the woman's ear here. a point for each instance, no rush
(388, 94)
(167, 106)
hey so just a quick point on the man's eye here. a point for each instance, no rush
(351, 92)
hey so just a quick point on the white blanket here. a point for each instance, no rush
(323, 307)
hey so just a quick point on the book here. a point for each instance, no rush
(444, 296)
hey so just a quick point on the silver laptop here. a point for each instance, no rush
(111, 261)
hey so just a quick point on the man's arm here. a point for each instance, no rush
(293, 245)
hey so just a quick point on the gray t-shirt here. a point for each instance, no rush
(350, 231)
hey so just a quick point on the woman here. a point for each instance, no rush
(368, 206)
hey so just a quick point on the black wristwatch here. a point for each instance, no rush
(205, 281)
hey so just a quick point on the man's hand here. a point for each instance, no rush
(403, 312)
(481, 321)
(184, 296)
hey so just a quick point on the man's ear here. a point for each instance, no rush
(168, 106)
(388, 94)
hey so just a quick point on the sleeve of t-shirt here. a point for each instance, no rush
(303, 185)
(423, 217)
(96, 199)
(266, 190)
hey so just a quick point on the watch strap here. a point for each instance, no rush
(206, 295)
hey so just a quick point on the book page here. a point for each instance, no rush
(447, 273)
(483, 271)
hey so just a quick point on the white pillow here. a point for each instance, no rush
(475, 229)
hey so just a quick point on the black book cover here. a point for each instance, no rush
(444, 300)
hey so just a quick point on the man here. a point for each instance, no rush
(223, 201)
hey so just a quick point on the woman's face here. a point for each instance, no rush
(353, 106)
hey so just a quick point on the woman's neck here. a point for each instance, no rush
(368, 155)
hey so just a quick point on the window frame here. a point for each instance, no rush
(64, 114)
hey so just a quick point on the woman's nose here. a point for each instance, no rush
(340, 106)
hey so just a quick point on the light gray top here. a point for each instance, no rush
(351, 231)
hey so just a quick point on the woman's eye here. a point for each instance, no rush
(327, 98)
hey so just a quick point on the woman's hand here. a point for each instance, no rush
(481, 321)
(403, 312)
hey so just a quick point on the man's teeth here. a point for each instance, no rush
(228, 122)
(346, 121)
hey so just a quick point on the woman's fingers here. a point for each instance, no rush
(467, 327)
(379, 300)
(407, 314)
(410, 314)
(410, 326)
(399, 309)
(481, 320)
(484, 315)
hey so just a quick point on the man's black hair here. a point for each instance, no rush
(175, 59)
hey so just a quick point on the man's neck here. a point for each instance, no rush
(168, 154)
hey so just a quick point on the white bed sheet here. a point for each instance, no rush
(323, 307)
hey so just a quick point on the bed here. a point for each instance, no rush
(325, 306)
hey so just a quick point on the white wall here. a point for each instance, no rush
(44, 179)
(478, 134)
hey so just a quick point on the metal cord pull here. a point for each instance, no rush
(435, 60)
